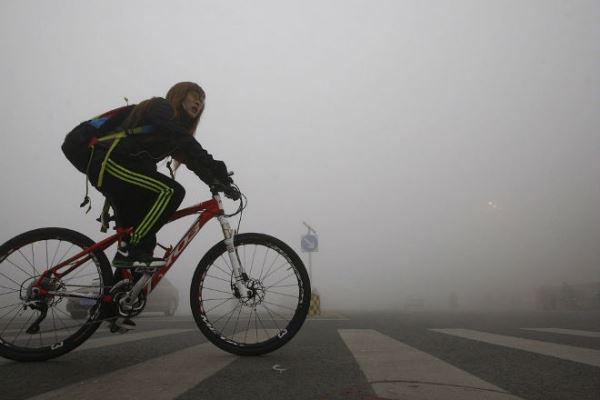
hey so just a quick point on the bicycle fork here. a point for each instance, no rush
(239, 275)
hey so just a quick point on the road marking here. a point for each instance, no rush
(573, 332)
(128, 337)
(565, 352)
(398, 371)
(161, 378)
(117, 338)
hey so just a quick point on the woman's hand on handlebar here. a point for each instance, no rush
(227, 188)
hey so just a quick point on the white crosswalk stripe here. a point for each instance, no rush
(393, 369)
(160, 378)
(565, 352)
(129, 337)
(398, 371)
(562, 331)
(116, 339)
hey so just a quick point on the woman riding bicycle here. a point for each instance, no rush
(119, 152)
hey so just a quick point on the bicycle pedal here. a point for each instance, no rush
(118, 326)
(116, 329)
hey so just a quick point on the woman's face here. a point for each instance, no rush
(192, 104)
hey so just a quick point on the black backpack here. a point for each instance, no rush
(79, 143)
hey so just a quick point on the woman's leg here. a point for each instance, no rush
(142, 199)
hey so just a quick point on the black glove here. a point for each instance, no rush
(232, 192)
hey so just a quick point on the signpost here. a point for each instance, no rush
(310, 244)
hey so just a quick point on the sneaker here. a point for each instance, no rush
(128, 256)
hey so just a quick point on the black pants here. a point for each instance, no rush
(142, 198)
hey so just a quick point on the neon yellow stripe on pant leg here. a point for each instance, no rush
(155, 211)
(138, 231)
(135, 178)
(164, 196)
(165, 193)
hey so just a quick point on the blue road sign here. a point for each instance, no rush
(310, 243)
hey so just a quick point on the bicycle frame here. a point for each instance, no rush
(207, 210)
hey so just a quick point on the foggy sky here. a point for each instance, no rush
(436, 146)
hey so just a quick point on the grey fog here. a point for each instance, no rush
(444, 151)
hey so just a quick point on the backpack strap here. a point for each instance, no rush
(116, 138)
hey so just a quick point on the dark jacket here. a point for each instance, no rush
(167, 137)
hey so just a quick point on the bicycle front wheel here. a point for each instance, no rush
(49, 325)
(274, 306)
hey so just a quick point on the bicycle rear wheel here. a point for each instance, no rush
(266, 319)
(52, 324)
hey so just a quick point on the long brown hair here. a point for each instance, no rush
(175, 97)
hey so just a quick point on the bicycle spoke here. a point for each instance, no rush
(220, 304)
(65, 254)
(226, 261)
(272, 273)
(237, 323)
(278, 305)
(46, 245)
(248, 327)
(217, 299)
(55, 254)
(11, 305)
(23, 327)
(27, 261)
(280, 280)
(293, 296)
(252, 261)
(215, 290)
(221, 279)
(11, 291)
(282, 286)
(229, 319)
(33, 257)
(16, 305)
(54, 325)
(270, 267)
(262, 326)
(271, 315)
(19, 268)
(13, 281)
(9, 322)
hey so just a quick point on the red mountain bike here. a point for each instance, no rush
(249, 295)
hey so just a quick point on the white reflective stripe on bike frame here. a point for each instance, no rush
(161, 378)
(398, 371)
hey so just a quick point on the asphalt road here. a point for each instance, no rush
(340, 355)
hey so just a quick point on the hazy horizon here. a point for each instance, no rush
(437, 147)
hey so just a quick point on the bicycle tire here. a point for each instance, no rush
(269, 333)
(19, 266)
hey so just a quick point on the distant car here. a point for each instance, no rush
(164, 298)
